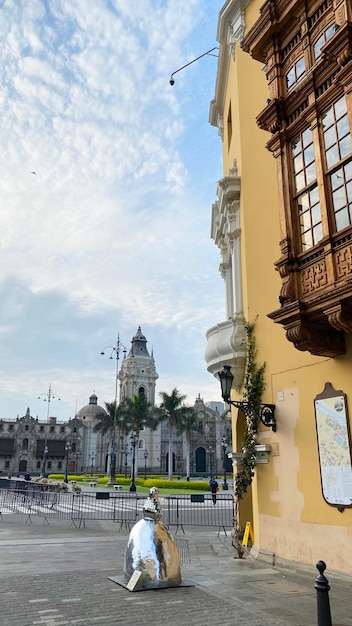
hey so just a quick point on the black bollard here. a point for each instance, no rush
(323, 602)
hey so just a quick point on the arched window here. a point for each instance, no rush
(141, 444)
(141, 391)
(74, 447)
(25, 444)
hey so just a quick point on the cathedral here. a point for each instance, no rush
(45, 447)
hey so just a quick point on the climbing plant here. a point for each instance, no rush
(252, 394)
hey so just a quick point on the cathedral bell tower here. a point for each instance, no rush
(137, 377)
(138, 374)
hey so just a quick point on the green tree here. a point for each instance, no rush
(173, 411)
(109, 422)
(136, 414)
(188, 426)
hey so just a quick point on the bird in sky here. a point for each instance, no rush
(33, 172)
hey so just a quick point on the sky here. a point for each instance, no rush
(107, 178)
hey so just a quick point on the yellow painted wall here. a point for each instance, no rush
(290, 517)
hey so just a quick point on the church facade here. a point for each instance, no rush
(27, 444)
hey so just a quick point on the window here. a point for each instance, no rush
(38, 464)
(49, 464)
(7, 464)
(52, 429)
(296, 72)
(62, 429)
(327, 34)
(141, 444)
(59, 465)
(73, 447)
(307, 195)
(25, 444)
(26, 427)
(338, 152)
(41, 429)
(1, 426)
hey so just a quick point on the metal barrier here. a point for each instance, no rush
(123, 507)
(200, 510)
(77, 508)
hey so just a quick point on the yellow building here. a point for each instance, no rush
(283, 225)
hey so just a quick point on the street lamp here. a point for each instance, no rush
(210, 450)
(92, 464)
(45, 456)
(263, 412)
(224, 446)
(134, 441)
(145, 454)
(208, 52)
(115, 353)
(125, 449)
(67, 451)
(48, 396)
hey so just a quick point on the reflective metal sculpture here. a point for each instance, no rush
(151, 550)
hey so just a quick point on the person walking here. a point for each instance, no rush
(214, 487)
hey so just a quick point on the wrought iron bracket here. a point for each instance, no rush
(266, 412)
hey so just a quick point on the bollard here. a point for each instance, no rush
(323, 602)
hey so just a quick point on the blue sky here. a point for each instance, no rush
(112, 231)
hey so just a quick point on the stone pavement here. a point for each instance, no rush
(55, 575)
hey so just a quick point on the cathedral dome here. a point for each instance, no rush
(89, 412)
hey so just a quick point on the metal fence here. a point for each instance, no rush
(123, 507)
(200, 510)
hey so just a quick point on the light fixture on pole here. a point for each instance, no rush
(67, 451)
(114, 353)
(145, 454)
(48, 396)
(92, 456)
(224, 446)
(265, 413)
(210, 450)
(134, 442)
(208, 52)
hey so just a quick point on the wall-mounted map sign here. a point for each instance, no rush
(334, 446)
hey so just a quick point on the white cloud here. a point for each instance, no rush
(116, 219)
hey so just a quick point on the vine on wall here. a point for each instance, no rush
(252, 395)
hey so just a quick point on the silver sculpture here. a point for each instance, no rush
(151, 550)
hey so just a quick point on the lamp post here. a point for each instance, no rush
(115, 353)
(48, 396)
(210, 450)
(134, 441)
(125, 449)
(92, 463)
(224, 446)
(67, 451)
(265, 413)
(145, 454)
(45, 456)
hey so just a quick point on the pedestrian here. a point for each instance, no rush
(214, 487)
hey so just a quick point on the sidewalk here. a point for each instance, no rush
(54, 575)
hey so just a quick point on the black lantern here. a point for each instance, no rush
(264, 412)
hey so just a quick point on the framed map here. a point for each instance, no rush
(334, 446)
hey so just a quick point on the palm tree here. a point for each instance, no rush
(173, 411)
(188, 427)
(134, 415)
(107, 422)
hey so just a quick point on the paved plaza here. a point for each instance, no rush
(55, 574)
